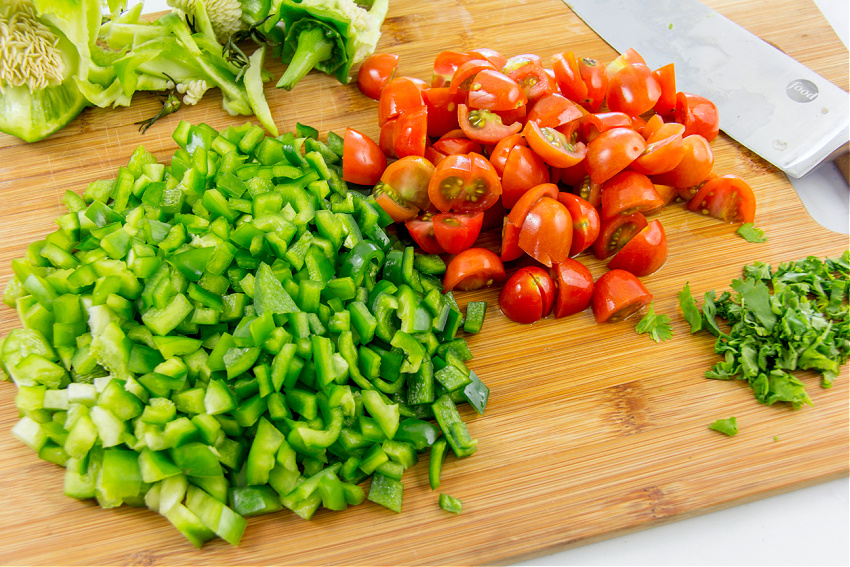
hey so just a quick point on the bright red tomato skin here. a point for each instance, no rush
(553, 147)
(628, 192)
(664, 150)
(594, 124)
(523, 170)
(554, 110)
(442, 110)
(575, 287)
(568, 76)
(519, 211)
(455, 232)
(698, 115)
(363, 162)
(445, 65)
(375, 73)
(645, 253)
(547, 232)
(421, 229)
(465, 74)
(614, 232)
(694, 167)
(473, 268)
(510, 249)
(666, 77)
(528, 295)
(586, 222)
(399, 94)
(464, 183)
(633, 90)
(728, 198)
(616, 295)
(492, 90)
(612, 151)
(503, 149)
(411, 132)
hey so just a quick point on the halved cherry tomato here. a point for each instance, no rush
(552, 146)
(594, 124)
(411, 132)
(624, 59)
(554, 110)
(409, 178)
(665, 149)
(589, 191)
(518, 212)
(698, 114)
(594, 77)
(510, 249)
(628, 192)
(644, 253)
(473, 268)
(528, 295)
(612, 151)
(483, 125)
(616, 295)
(568, 76)
(523, 170)
(504, 147)
(465, 74)
(445, 65)
(572, 176)
(442, 110)
(393, 204)
(575, 287)
(375, 72)
(455, 232)
(464, 183)
(518, 114)
(615, 232)
(363, 162)
(654, 123)
(399, 94)
(666, 77)
(694, 167)
(494, 57)
(586, 222)
(387, 137)
(667, 194)
(492, 90)
(421, 229)
(633, 90)
(728, 198)
(456, 145)
(547, 232)
(533, 79)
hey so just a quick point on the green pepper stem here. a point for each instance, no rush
(313, 48)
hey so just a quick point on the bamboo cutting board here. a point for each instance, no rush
(591, 431)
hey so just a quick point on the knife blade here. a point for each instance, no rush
(766, 100)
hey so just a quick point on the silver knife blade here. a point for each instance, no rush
(767, 101)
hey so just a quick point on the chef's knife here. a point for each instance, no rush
(767, 101)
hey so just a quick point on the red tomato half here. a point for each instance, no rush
(728, 198)
(465, 74)
(510, 249)
(518, 212)
(399, 94)
(568, 76)
(596, 80)
(612, 151)
(694, 167)
(455, 232)
(616, 295)
(554, 110)
(664, 150)
(375, 72)
(547, 232)
(585, 222)
(666, 77)
(492, 90)
(615, 232)
(633, 90)
(442, 110)
(445, 65)
(421, 229)
(410, 132)
(594, 124)
(528, 295)
(698, 114)
(523, 170)
(628, 192)
(533, 79)
(409, 178)
(473, 268)
(464, 183)
(552, 146)
(575, 287)
(494, 57)
(484, 126)
(363, 162)
(644, 253)
(451, 146)
(503, 149)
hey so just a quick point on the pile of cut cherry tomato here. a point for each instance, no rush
(569, 159)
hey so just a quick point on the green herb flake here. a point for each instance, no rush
(689, 308)
(727, 426)
(751, 233)
(658, 326)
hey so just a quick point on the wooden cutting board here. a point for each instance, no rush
(592, 430)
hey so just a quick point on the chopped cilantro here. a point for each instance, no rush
(689, 309)
(796, 317)
(728, 426)
(658, 326)
(751, 233)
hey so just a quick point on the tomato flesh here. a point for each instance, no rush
(399, 94)
(645, 253)
(473, 268)
(464, 183)
(628, 192)
(363, 162)
(547, 232)
(553, 146)
(575, 287)
(728, 198)
(698, 115)
(528, 295)
(694, 167)
(616, 295)
(612, 151)
(614, 232)
(375, 73)
(586, 222)
(455, 232)
(483, 125)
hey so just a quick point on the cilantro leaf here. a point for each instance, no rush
(728, 426)
(751, 233)
(658, 326)
(689, 308)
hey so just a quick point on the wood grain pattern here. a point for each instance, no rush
(591, 431)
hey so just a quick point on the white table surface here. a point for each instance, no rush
(810, 526)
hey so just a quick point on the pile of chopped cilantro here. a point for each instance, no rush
(793, 318)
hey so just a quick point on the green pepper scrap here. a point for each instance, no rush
(329, 35)
(232, 334)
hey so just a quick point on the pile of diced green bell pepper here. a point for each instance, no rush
(235, 333)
